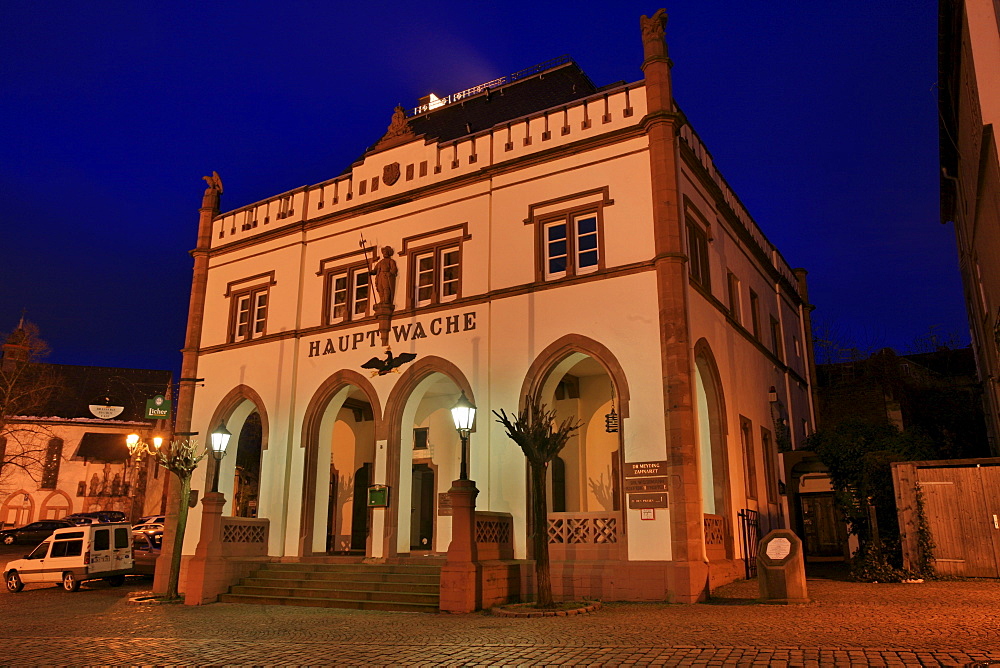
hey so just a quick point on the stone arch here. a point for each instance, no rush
(707, 373)
(233, 404)
(562, 348)
(396, 405)
(17, 509)
(311, 421)
(51, 503)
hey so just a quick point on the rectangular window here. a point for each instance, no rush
(749, 457)
(734, 297)
(348, 292)
(776, 346)
(755, 313)
(102, 540)
(571, 246)
(437, 275)
(250, 314)
(770, 466)
(50, 470)
(698, 256)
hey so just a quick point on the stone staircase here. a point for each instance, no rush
(357, 586)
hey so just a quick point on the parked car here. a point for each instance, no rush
(104, 516)
(146, 546)
(73, 555)
(150, 519)
(148, 527)
(33, 533)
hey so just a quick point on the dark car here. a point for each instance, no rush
(97, 516)
(145, 550)
(33, 533)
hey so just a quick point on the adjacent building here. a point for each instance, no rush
(62, 437)
(969, 106)
(534, 236)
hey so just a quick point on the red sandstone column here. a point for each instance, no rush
(207, 569)
(662, 125)
(189, 362)
(461, 590)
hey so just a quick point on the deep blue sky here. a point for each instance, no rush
(824, 122)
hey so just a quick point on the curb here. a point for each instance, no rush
(507, 612)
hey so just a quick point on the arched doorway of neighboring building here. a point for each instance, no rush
(17, 509)
(712, 455)
(581, 379)
(339, 437)
(56, 505)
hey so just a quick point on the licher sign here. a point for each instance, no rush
(411, 331)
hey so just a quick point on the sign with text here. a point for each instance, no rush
(645, 469)
(444, 504)
(158, 408)
(658, 484)
(648, 500)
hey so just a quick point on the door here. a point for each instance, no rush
(359, 511)
(101, 551)
(422, 508)
(121, 550)
(821, 527)
(962, 507)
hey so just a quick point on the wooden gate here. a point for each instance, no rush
(961, 500)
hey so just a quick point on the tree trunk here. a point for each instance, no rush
(178, 546)
(540, 536)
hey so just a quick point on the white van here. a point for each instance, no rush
(75, 555)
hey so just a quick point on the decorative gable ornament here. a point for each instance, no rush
(390, 173)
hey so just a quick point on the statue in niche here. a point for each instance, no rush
(81, 488)
(95, 486)
(116, 485)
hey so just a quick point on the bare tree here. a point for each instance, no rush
(26, 388)
(180, 458)
(533, 431)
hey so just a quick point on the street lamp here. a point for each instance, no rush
(137, 447)
(464, 414)
(220, 441)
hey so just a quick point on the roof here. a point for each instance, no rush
(529, 91)
(83, 386)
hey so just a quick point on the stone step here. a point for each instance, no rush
(350, 604)
(354, 568)
(260, 580)
(337, 594)
(325, 576)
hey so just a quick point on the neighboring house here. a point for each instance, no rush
(77, 437)
(539, 236)
(969, 106)
(936, 393)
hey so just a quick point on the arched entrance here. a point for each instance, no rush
(580, 378)
(712, 455)
(424, 443)
(243, 412)
(339, 435)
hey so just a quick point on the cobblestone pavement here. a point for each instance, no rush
(847, 624)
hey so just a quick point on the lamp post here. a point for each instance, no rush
(464, 414)
(220, 441)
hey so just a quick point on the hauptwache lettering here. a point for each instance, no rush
(411, 331)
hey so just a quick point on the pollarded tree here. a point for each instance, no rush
(180, 458)
(26, 388)
(541, 441)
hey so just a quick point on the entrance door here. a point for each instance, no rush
(821, 527)
(359, 511)
(422, 508)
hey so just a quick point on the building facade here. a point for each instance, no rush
(533, 236)
(62, 438)
(969, 105)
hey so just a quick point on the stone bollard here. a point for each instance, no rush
(781, 568)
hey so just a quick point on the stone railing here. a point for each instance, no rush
(494, 535)
(715, 537)
(244, 536)
(585, 535)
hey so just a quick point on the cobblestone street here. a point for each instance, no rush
(935, 623)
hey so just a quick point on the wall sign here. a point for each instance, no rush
(158, 408)
(378, 496)
(411, 331)
(105, 412)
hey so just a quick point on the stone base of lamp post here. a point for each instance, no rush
(461, 586)
(207, 574)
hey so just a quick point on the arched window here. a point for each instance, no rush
(53, 457)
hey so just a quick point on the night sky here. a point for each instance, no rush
(824, 123)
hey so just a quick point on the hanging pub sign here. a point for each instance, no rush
(105, 410)
(378, 496)
(158, 408)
